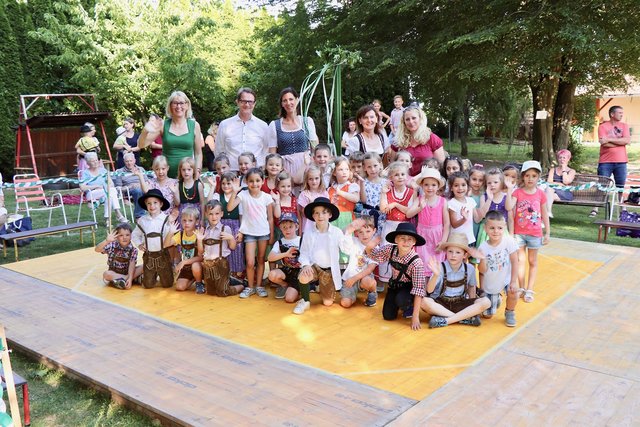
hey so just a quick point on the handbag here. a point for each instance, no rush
(632, 218)
(16, 226)
(634, 198)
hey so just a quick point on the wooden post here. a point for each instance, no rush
(8, 377)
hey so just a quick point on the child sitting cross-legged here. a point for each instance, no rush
(216, 244)
(452, 287)
(359, 272)
(189, 269)
(319, 254)
(407, 284)
(122, 254)
(499, 267)
(286, 250)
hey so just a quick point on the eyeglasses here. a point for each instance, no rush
(246, 102)
(178, 103)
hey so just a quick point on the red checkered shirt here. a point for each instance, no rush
(415, 270)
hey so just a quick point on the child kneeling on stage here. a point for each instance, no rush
(359, 272)
(320, 254)
(149, 235)
(406, 288)
(122, 258)
(216, 244)
(189, 269)
(287, 251)
(452, 288)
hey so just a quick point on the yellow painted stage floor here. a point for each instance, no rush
(354, 343)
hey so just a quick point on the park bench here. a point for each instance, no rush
(593, 196)
(607, 224)
(15, 237)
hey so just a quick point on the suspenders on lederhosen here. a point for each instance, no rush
(453, 284)
(217, 271)
(402, 280)
(154, 259)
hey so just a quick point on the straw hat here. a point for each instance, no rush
(458, 240)
(432, 173)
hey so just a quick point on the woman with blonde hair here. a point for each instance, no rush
(415, 137)
(181, 134)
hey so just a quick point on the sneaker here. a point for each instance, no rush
(262, 292)
(407, 313)
(119, 283)
(528, 295)
(471, 321)
(106, 221)
(280, 291)
(372, 299)
(380, 287)
(510, 318)
(138, 280)
(122, 219)
(200, 289)
(95, 204)
(247, 292)
(313, 287)
(438, 322)
(301, 306)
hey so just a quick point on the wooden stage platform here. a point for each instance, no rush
(200, 360)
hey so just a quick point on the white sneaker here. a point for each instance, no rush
(301, 306)
(247, 292)
(262, 292)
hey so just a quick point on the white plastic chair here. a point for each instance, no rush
(28, 190)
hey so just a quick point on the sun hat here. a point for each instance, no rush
(458, 240)
(288, 216)
(531, 164)
(154, 193)
(432, 173)
(85, 128)
(324, 202)
(406, 229)
(120, 130)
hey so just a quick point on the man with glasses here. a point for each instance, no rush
(243, 132)
(614, 137)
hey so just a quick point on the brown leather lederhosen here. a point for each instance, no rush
(124, 260)
(217, 272)
(156, 263)
(186, 272)
(458, 303)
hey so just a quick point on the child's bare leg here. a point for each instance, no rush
(291, 295)
(250, 255)
(110, 275)
(183, 284)
(277, 276)
(479, 305)
(512, 299)
(196, 269)
(138, 271)
(262, 249)
(431, 307)
(521, 266)
(533, 268)
(368, 283)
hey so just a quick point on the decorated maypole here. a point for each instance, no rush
(337, 58)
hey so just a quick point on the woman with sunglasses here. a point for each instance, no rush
(415, 137)
(181, 134)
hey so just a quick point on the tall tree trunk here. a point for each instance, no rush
(465, 127)
(543, 91)
(563, 115)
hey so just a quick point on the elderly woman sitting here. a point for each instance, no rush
(127, 176)
(95, 183)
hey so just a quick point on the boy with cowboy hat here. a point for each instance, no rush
(320, 254)
(149, 235)
(407, 272)
(452, 287)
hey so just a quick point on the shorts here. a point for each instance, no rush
(531, 242)
(496, 300)
(290, 275)
(186, 273)
(249, 238)
(350, 293)
(455, 304)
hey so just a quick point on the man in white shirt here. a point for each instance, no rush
(243, 132)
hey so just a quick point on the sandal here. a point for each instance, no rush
(528, 295)
(593, 213)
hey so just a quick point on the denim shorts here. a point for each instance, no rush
(247, 238)
(531, 242)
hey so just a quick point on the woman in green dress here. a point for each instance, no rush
(181, 134)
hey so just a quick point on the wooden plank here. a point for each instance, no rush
(183, 376)
(575, 365)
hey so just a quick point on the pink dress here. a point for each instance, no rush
(431, 227)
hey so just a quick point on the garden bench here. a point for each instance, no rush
(594, 196)
(47, 231)
(607, 224)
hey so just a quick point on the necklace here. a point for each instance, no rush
(191, 190)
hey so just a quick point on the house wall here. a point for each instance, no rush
(631, 105)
